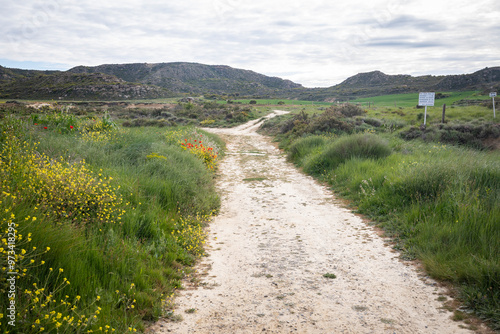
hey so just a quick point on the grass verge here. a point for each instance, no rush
(99, 223)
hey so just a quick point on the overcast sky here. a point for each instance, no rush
(314, 42)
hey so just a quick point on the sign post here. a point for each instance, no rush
(492, 95)
(426, 99)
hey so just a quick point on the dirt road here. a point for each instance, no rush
(279, 233)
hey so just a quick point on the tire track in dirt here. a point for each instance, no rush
(278, 234)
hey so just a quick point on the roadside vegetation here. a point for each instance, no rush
(107, 219)
(158, 113)
(195, 112)
(436, 195)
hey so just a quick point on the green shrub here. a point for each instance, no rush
(373, 121)
(471, 134)
(365, 146)
(330, 122)
(421, 116)
(350, 110)
(304, 146)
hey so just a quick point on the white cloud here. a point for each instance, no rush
(316, 43)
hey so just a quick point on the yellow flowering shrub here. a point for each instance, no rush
(70, 192)
(99, 130)
(207, 122)
(156, 156)
(190, 234)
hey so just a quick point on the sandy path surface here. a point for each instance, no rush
(278, 233)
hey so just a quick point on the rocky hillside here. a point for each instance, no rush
(64, 85)
(9, 74)
(378, 79)
(483, 79)
(196, 78)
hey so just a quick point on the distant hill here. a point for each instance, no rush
(377, 83)
(10, 74)
(64, 85)
(196, 78)
(483, 79)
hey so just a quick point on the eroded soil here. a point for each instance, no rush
(277, 237)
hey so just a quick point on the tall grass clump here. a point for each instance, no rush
(365, 146)
(303, 146)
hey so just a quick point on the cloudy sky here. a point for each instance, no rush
(314, 42)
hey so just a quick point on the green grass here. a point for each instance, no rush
(304, 146)
(411, 99)
(126, 266)
(331, 276)
(252, 179)
(412, 115)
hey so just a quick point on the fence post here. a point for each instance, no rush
(444, 111)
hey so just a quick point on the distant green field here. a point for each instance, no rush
(411, 99)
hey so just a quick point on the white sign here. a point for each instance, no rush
(493, 94)
(426, 99)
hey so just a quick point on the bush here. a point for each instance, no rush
(304, 146)
(420, 117)
(373, 122)
(465, 134)
(365, 146)
(350, 110)
(329, 121)
(142, 122)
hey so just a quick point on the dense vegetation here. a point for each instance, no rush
(439, 202)
(106, 219)
(195, 112)
(174, 112)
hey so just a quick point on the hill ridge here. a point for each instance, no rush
(149, 80)
(188, 77)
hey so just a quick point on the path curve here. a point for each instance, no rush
(278, 234)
